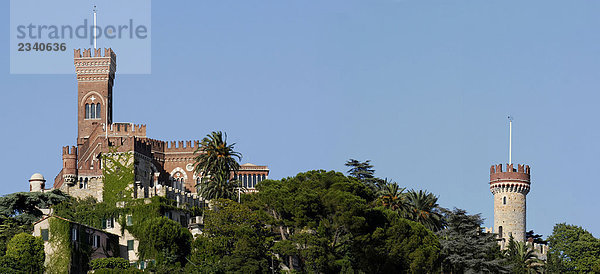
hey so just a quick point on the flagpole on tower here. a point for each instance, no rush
(510, 119)
(95, 29)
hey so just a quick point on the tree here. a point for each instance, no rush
(536, 238)
(234, 239)
(424, 209)
(19, 210)
(522, 258)
(392, 197)
(360, 170)
(325, 224)
(216, 161)
(27, 252)
(573, 248)
(396, 245)
(364, 172)
(219, 186)
(25, 207)
(164, 240)
(465, 248)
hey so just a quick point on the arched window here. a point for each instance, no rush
(504, 200)
(93, 111)
(98, 111)
(87, 111)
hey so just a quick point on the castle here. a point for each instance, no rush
(161, 167)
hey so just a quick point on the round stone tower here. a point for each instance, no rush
(37, 183)
(510, 189)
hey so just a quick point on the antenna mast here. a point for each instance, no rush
(510, 119)
(95, 28)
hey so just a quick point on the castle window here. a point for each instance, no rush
(98, 111)
(500, 231)
(87, 111)
(92, 111)
(504, 200)
(129, 244)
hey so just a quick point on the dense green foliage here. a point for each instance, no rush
(164, 240)
(119, 263)
(314, 222)
(522, 259)
(424, 209)
(573, 249)
(118, 175)
(324, 222)
(24, 253)
(216, 162)
(465, 248)
(19, 210)
(9, 227)
(364, 172)
(234, 240)
(60, 241)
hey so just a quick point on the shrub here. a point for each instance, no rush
(110, 263)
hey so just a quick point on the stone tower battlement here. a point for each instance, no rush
(511, 180)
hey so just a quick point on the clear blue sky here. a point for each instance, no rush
(421, 88)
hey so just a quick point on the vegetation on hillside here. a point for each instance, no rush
(315, 222)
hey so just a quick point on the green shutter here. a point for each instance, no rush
(129, 244)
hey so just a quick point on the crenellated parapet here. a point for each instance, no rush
(520, 174)
(124, 129)
(510, 180)
(181, 146)
(97, 67)
(155, 145)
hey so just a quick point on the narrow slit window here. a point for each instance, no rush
(504, 200)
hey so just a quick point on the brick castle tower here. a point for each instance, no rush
(510, 188)
(95, 78)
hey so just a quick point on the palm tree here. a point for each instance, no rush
(424, 209)
(392, 197)
(219, 186)
(523, 258)
(216, 163)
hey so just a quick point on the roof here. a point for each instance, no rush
(37, 177)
